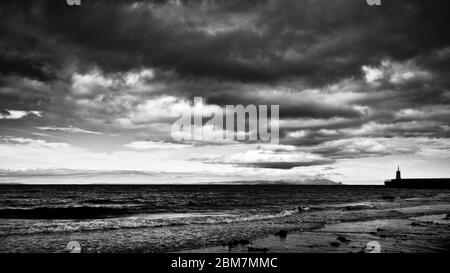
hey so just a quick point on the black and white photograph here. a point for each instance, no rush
(225, 126)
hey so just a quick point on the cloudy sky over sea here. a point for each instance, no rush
(361, 89)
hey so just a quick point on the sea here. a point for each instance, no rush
(168, 218)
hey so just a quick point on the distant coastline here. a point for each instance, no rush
(127, 177)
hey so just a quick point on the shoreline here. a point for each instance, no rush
(418, 232)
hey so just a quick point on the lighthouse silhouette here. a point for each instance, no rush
(417, 183)
(397, 174)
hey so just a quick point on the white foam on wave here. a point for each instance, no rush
(16, 226)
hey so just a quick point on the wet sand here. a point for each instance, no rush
(421, 229)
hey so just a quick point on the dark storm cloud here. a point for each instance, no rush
(23, 67)
(310, 40)
(216, 40)
(295, 54)
(288, 108)
(350, 148)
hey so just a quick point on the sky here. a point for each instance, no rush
(97, 87)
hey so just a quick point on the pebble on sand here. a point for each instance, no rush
(235, 242)
(282, 233)
(302, 209)
(257, 249)
(343, 239)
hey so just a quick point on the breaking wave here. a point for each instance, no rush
(130, 222)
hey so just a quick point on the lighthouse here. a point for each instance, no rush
(417, 183)
(397, 174)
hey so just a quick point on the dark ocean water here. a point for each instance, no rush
(168, 218)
